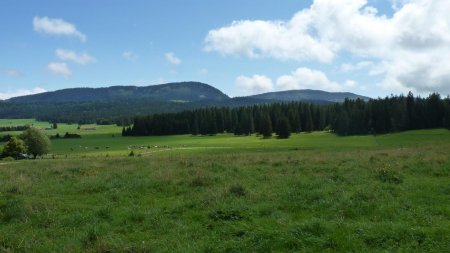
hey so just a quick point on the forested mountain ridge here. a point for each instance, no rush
(178, 92)
(119, 104)
(309, 95)
(184, 91)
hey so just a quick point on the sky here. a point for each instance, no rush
(369, 47)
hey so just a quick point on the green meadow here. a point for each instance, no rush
(314, 192)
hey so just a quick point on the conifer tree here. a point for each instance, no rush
(283, 128)
(266, 126)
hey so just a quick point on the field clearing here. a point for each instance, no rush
(62, 127)
(313, 192)
(107, 140)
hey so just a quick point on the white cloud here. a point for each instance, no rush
(10, 72)
(59, 68)
(280, 40)
(67, 55)
(413, 45)
(130, 56)
(203, 72)
(56, 27)
(21, 92)
(172, 59)
(255, 84)
(305, 78)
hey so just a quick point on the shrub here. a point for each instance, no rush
(13, 148)
(36, 141)
(8, 159)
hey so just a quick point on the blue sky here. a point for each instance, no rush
(240, 47)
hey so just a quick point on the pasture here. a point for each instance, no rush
(313, 192)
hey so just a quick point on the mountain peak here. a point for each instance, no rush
(309, 95)
(181, 91)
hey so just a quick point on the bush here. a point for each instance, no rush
(71, 136)
(5, 138)
(36, 141)
(14, 148)
(8, 159)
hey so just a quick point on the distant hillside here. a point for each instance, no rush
(309, 95)
(118, 104)
(180, 92)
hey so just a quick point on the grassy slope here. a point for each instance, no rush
(313, 192)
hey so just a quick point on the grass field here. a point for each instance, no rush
(311, 193)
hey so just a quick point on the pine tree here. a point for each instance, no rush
(342, 123)
(266, 126)
(283, 128)
(294, 119)
(195, 129)
(446, 120)
(309, 124)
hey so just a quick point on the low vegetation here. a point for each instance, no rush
(309, 193)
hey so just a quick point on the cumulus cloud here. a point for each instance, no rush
(412, 45)
(281, 40)
(305, 78)
(130, 56)
(67, 55)
(57, 27)
(172, 59)
(254, 84)
(59, 68)
(21, 92)
(11, 72)
(301, 78)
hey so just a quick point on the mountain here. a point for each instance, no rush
(308, 95)
(118, 104)
(179, 92)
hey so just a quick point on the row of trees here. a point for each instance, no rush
(390, 114)
(13, 128)
(279, 118)
(31, 142)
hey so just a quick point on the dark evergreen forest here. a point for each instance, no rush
(352, 117)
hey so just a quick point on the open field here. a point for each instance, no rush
(107, 140)
(62, 128)
(313, 192)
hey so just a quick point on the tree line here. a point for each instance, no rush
(14, 128)
(106, 112)
(265, 119)
(392, 114)
(352, 117)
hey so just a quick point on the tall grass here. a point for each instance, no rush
(390, 197)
